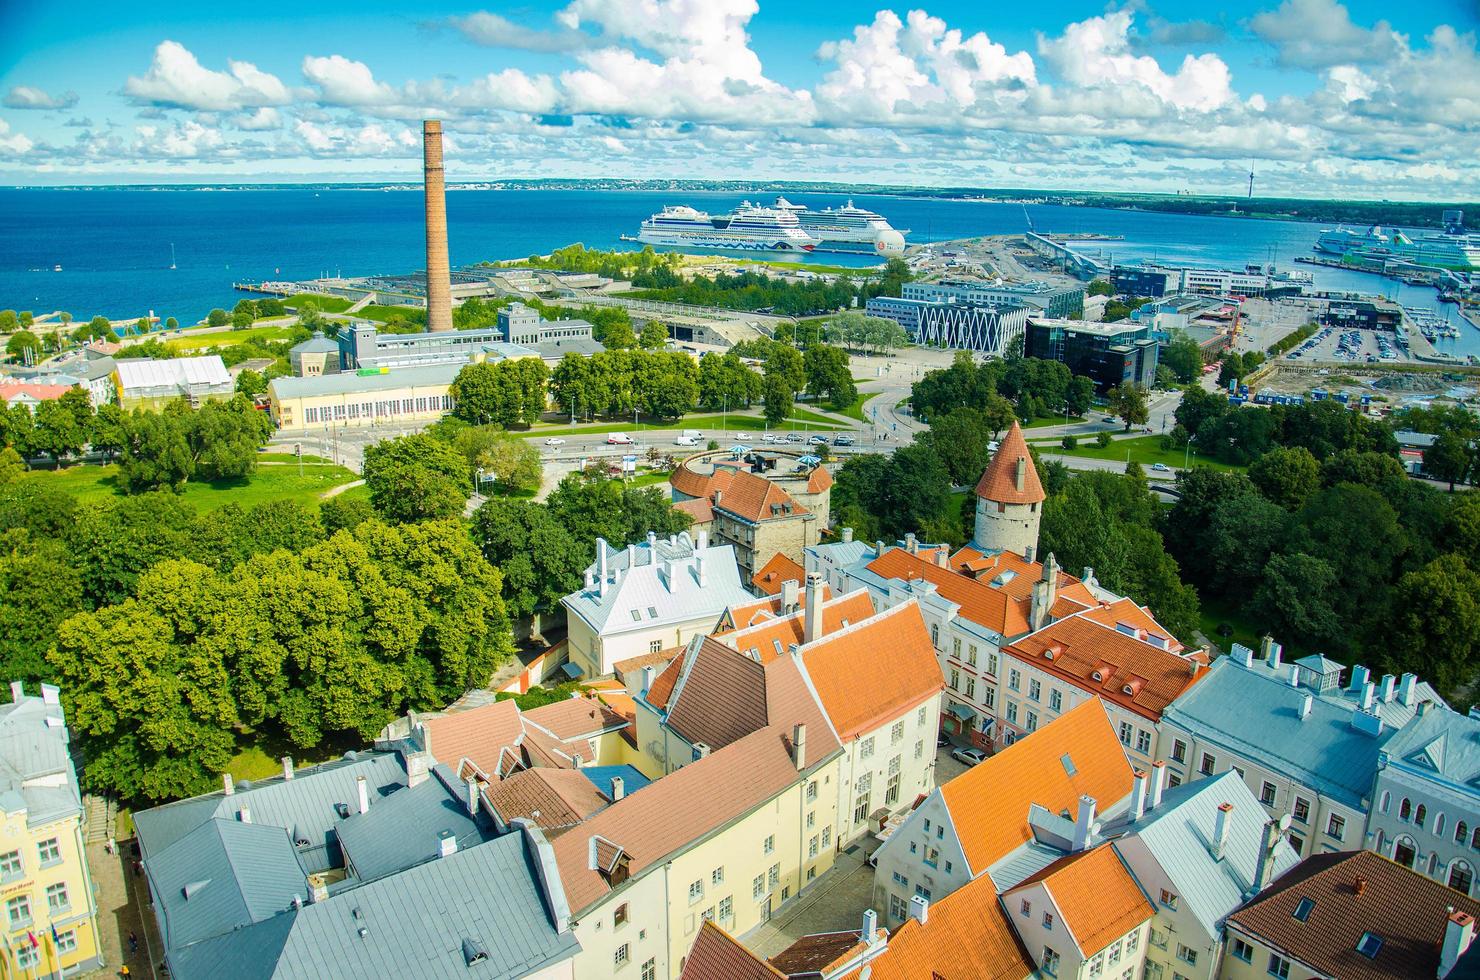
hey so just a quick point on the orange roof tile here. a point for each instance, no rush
(659, 660)
(1126, 611)
(716, 955)
(662, 688)
(779, 569)
(989, 803)
(966, 936)
(755, 499)
(692, 484)
(1132, 672)
(762, 610)
(874, 670)
(1000, 480)
(819, 480)
(1096, 895)
(813, 955)
(700, 511)
(572, 718)
(762, 638)
(981, 603)
(43, 393)
(479, 735)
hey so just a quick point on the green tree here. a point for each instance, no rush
(513, 463)
(1244, 532)
(1183, 356)
(1287, 476)
(39, 588)
(251, 383)
(27, 319)
(913, 493)
(618, 334)
(218, 318)
(114, 543)
(23, 346)
(1099, 287)
(541, 561)
(8, 321)
(960, 439)
(344, 512)
(224, 437)
(56, 432)
(1436, 632)
(725, 382)
(12, 467)
(610, 509)
(416, 478)
(109, 430)
(1449, 459)
(777, 394)
(1294, 599)
(231, 534)
(155, 453)
(1079, 395)
(1129, 402)
(1376, 471)
(171, 323)
(241, 320)
(786, 363)
(654, 335)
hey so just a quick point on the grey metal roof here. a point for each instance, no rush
(656, 598)
(844, 553)
(412, 925)
(317, 344)
(1442, 745)
(224, 875)
(1178, 833)
(350, 383)
(304, 804)
(404, 828)
(554, 349)
(33, 752)
(177, 372)
(1022, 863)
(1255, 714)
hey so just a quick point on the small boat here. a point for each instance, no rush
(57, 267)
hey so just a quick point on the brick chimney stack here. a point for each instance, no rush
(439, 276)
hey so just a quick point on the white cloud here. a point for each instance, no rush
(510, 89)
(345, 82)
(176, 79)
(494, 31)
(28, 97)
(13, 145)
(369, 140)
(1096, 54)
(264, 118)
(1320, 33)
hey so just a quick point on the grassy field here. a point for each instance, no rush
(385, 313)
(100, 483)
(856, 410)
(1215, 614)
(821, 270)
(326, 304)
(1052, 420)
(1145, 450)
(228, 338)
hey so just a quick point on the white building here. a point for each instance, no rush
(649, 597)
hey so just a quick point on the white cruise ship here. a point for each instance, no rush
(847, 229)
(1453, 248)
(747, 228)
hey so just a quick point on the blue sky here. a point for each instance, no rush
(1323, 98)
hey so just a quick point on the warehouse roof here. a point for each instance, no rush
(145, 373)
(351, 383)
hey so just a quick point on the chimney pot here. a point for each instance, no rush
(703, 540)
(1138, 795)
(363, 789)
(812, 614)
(870, 925)
(1294, 676)
(287, 767)
(1360, 676)
(1022, 472)
(1274, 655)
(1158, 784)
(648, 674)
(1459, 933)
(244, 814)
(619, 788)
(799, 746)
(17, 691)
(910, 544)
(878, 548)
(1084, 823)
(847, 535)
(919, 909)
(319, 890)
(228, 785)
(1027, 552)
(1306, 703)
(1220, 830)
(1388, 683)
(472, 785)
(446, 844)
(1407, 689)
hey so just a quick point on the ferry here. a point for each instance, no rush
(847, 229)
(749, 227)
(1452, 248)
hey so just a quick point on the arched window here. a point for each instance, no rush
(1475, 839)
(1439, 825)
(1387, 799)
(1461, 877)
(1405, 810)
(1420, 815)
(1461, 833)
(1433, 863)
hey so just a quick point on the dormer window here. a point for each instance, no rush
(1098, 675)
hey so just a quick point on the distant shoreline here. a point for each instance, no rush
(1410, 214)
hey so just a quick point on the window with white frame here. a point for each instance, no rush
(18, 910)
(57, 900)
(622, 955)
(1143, 741)
(896, 733)
(1035, 690)
(50, 851)
(696, 891)
(1055, 699)
(1015, 679)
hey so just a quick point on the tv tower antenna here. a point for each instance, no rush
(1251, 180)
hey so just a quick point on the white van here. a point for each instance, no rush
(618, 439)
(694, 434)
(686, 441)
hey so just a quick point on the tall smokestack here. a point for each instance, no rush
(439, 278)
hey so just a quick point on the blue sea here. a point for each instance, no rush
(114, 246)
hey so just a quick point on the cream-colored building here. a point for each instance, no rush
(50, 923)
(383, 396)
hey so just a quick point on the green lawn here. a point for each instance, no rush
(1052, 420)
(855, 411)
(385, 313)
(326, 304)
(647, 479)
(1216, 613)
(1145, 450)
(821, 270)
(229, 338)
(98, 483)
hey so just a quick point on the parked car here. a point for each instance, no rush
(817, 441)
(554, 441)
(969, 757)
(1160, 467)
(942, 739)
(619, 439)
(686, 441)
(770, 437)
(843, 441)
(793, 437)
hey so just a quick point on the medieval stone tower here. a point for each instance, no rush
(1009, 500)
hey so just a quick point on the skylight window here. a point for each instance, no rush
(1303, 910)
(636, 616)
(652, 612)
(1369, 945)
(1069, 766)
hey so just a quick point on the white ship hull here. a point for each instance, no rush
(724, 242)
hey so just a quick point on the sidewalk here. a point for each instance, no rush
(118, 913)
(833, 903)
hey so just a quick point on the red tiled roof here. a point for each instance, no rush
(762, 637)
(874, 670)
(1408, 911)
(699, 509)
(966, 936)
(1096, 895)
(762, 610)
(999, 481)
(555, 799)
(662, 688)
(716, 955)
(1132, 672)
(989, 803)
(10, 390)
(779, 569)
(479, 735)
(659, 660)
(819, 480)
(722, 697)
(685, 806)
(756, 499)
(1126, 611)
(813, 955)
(980, 603)
(692, 484)
(572, 718)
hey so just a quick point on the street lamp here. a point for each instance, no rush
(1186, 449)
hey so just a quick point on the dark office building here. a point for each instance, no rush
(1110, 353)
(1136, 281)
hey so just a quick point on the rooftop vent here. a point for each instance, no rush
(194, 888)
(473, 952)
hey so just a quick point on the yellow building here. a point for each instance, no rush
(50, 912)
(387, 396)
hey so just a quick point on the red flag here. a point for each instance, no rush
(34, 941)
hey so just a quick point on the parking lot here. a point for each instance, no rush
(1351, 345)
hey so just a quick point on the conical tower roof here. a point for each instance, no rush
(1006, 479)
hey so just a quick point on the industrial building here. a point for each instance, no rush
(1046, 299)
(366, 397)
(364, 346)
(1154, 280)
(1109, 353)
